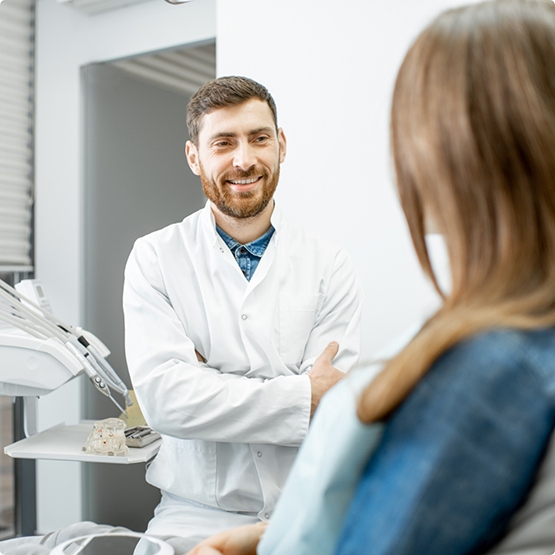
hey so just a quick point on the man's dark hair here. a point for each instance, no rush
(222, 92)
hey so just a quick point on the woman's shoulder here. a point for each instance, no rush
(532, 341)
(497, 354)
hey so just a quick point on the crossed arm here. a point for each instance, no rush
(322, 377)
(201, 402)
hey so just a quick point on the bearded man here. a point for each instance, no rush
(226, 314)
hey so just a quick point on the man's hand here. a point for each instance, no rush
(200, 358)
(323, 375)
(238, 541)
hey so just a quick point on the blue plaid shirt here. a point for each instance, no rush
(248, 256)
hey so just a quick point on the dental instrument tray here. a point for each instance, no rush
(139, 436)
(65, 443)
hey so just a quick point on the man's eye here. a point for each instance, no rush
(222, 143)
(261, 139)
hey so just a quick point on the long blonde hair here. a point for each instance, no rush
(473, 143)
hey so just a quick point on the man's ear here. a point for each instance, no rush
(192, 157)
(282, 145)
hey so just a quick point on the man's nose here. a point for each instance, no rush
(244, 158)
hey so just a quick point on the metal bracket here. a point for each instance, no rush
(30, 416)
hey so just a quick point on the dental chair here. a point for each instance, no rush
(532, 529)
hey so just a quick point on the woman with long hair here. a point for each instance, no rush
(470, 402)
(466, 410)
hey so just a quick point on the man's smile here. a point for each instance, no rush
(244, 181)
(243, 185)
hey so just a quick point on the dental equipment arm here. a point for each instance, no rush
(21, 312)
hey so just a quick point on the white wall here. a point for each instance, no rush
(67, 40)
(331, 67)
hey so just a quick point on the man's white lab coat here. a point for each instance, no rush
(231, 427)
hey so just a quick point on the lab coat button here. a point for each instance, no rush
(266, 516)
(243, 316)
(259, 454)
(221, 250)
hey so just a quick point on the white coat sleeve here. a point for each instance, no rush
(185, 399)
(339, 318)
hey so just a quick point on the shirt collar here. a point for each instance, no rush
(277, 220)
(256, 247)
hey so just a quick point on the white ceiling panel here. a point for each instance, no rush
(183, 71)
(98, 6)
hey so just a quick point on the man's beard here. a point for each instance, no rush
(240, 205)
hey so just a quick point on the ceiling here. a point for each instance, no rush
(181, 71)
(99, 6)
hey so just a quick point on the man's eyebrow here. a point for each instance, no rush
(222, 135)
(230, 134)
(262, 130)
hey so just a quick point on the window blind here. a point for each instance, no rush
(16, 133)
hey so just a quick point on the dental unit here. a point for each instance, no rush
(39, 353)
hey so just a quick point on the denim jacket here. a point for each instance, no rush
(459, 456)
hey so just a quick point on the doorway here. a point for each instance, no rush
(136, 181)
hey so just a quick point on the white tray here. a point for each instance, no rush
(64, 443)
